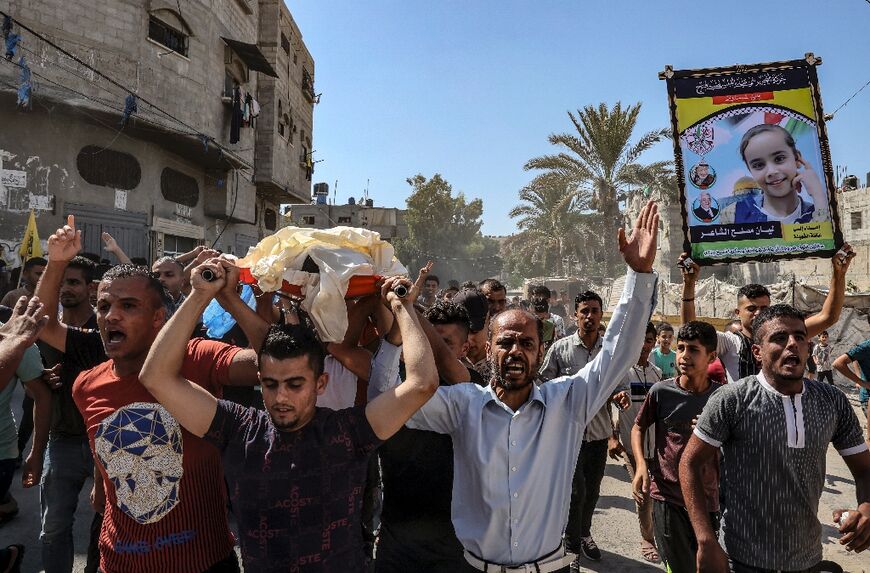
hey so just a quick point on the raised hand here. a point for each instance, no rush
(109, 242)
(389, 297)
(691, 272)
(66, 242)
(27, 319)
(208, 287)
(843, 258)
(232, 277)
(421, 281)
(639, 250)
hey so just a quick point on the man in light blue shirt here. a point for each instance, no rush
(515, 444)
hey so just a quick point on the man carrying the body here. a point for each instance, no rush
(672, 406)
(295, 472)
(512, 436)
(775, 428)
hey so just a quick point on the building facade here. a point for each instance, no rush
(387, 221)
(193, 164)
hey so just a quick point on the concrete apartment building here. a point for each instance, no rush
(388, 221)
(171, 178)
(854, 209)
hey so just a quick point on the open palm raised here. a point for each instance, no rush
(639, 250)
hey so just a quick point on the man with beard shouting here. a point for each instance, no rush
(515, 444)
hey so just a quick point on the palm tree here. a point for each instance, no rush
(548, 218)
(599, 164)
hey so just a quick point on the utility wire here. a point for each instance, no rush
(114, 108)
(851, 97)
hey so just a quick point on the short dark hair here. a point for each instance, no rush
(128, 271)
(772, 313)
(825, 332)
(86, 266)
(492, 285)
(538, 322)
(432, 278)
(703, 332)
(167, 259)
(93, 257)
(541, 290)
(588, 296)
(34, 262)
(139, 261)
(650, 329)
(285, 341)
(446, 312)
(664, 327)
(469, 285)
(751, 291)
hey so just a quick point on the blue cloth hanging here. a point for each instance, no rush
(25, 85)
(130, 108)
(11, 45)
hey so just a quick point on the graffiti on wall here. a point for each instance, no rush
(27, 183)
(9, 251)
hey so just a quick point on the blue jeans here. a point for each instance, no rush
(68, 464)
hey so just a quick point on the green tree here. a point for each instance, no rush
(600, 165)
(446, 228)
(548, 217)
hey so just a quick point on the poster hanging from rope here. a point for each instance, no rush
(752, 162)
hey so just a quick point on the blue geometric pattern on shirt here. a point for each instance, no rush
(140, 446)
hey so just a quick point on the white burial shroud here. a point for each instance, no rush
(340, 253)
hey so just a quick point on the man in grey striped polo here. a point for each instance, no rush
(775, 428)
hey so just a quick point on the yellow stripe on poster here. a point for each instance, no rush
(693, 110)
(808, 231)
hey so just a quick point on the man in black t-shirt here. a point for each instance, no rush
(74, 343)
(417, 471)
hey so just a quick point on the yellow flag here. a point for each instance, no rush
(30, 246)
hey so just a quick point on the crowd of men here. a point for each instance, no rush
(451, 430)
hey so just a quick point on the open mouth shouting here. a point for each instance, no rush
(115, 337)
(514, 368)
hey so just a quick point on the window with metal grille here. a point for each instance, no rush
(857, 220)
(179, 188)
(270, 219)
(164, 34)
(108, 168)
(174, 245)
(344, 220)
(285, 44)
(308, 219)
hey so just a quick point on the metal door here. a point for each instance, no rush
(130, 230)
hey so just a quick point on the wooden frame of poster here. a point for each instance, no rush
(752, 162)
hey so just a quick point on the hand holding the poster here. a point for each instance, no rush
(842, 259)
(808, 180)
(689, 269)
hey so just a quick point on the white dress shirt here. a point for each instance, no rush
(513, 470)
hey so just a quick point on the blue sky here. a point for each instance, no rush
(471, 89)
